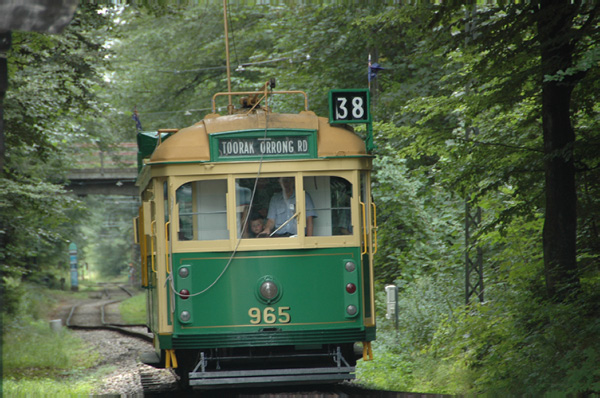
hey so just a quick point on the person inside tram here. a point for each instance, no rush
(257, 225)
(282, 215)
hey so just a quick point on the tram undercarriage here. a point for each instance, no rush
(259, 366)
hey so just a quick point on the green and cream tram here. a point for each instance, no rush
(249, 282)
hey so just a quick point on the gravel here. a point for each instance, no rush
(119, 365)
(120, 356)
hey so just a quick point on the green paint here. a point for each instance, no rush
(309, 307)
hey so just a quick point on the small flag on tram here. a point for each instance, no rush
(374, 69)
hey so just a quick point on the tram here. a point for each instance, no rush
(257, 233)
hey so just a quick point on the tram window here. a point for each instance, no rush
(203, 210)
(332, 197)
(258, 212)
(274, 206)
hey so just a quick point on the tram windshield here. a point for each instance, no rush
(265, 208)
(274, 212)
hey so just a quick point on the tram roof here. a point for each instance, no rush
(192, 143)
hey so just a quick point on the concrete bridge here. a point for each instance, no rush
(113, 181)
(106, 172)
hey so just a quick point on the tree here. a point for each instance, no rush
(48, 105)
(561, 27)
(518, 66)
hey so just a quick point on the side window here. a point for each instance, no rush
(332, 198)
(203, 210)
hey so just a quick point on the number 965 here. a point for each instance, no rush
(269, 315)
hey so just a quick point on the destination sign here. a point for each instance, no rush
(288, 145)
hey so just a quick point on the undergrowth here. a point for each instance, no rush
(133, 310)
(36, 361)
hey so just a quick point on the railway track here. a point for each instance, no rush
(94, 314)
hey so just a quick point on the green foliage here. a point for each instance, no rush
(46, 388)
(401, 361)
(50, 101)
(52, 94)
(529, 349)
(39, 362)
(419, 223)
(169, 65)
(105, 236)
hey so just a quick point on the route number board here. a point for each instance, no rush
(349, 106)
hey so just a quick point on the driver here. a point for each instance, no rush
(282, 216)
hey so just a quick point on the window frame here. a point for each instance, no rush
(297, 242)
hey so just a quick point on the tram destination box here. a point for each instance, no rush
(349, 106)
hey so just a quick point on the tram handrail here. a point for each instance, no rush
(136, 232)
(167, 245)
(152, 226)
(364, 225)
(143, 242)
(214, 106)
(375, 247)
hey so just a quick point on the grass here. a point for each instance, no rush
(46, 388)
(133, 310)
(31, 349)
(37, 362)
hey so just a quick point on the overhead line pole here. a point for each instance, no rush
(473, 266)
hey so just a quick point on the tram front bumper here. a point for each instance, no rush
(271, 377)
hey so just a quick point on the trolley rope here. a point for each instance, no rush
(171, 280)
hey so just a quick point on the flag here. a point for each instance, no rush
(374, 69)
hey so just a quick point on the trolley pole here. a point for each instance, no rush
(230, 106)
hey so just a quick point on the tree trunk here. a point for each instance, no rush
(555, 19)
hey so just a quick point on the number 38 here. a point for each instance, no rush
(268, 315)
(358, 110)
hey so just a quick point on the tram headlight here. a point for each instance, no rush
(268, 290)
(184, 272)
(185, 316)
(350, 266)
(351, 310)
